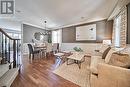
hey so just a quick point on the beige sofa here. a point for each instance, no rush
(105, 75)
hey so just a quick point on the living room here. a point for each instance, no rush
(65, 44)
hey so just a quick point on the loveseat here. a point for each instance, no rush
(106, 75)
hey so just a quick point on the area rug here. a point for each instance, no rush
(74, 74)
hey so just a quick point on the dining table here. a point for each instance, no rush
(42, 49)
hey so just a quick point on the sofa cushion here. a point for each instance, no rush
(109, 55)
(93, 80)
(125, 50)
(121, 60)
(94, 63)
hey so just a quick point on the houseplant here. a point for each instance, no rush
(77, 49)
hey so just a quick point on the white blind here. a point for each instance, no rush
(117, 31)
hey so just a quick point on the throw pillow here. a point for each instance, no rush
(121, 60)
(105, 52)
(107, 59)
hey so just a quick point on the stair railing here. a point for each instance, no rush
(9, 50)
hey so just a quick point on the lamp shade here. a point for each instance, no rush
(107, 42)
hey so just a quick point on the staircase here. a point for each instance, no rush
(9, 59)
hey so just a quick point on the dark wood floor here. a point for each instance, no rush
(39, 74)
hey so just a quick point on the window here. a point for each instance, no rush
(117, 31)
(14, 35)
(56, 36)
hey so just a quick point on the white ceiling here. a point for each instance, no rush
(61, 13)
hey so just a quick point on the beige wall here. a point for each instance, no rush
(103, 31)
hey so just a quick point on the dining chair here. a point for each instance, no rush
(48, 49)
(32, 51)
(55, 47)
(43, 49)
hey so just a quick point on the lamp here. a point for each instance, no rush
(46, 31)
(107, 42)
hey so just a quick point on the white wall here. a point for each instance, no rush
(25, 48)
(10, 24)
(86, 47)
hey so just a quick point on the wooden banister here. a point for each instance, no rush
(2, 31)
(6, 45)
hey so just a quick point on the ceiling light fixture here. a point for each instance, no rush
(46, 31)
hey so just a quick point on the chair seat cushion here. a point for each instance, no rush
(94, 63)
(36, 51)
(59, 54)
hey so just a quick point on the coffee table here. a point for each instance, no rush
(78, 58)
(61, 56)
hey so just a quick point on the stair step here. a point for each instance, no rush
(8, 78)
(3, 69)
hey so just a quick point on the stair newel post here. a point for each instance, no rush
(14, 53)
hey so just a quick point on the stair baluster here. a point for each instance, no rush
(10, 48)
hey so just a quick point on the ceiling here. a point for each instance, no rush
(61, 13)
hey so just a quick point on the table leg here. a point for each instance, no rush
(79, 64)
(67, 61)
(71, 63)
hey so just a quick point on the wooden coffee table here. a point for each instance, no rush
(78, 58)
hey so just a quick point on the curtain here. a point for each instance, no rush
(57, 36)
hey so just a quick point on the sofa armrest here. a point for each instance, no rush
(113, 76)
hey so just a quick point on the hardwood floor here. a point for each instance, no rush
(39, 74)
